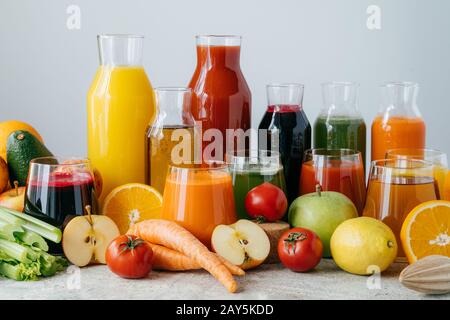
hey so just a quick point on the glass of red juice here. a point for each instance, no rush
(339, 170)
(59, 189)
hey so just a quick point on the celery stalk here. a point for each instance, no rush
(9, 231)
(18, 252)
(32, 239)
(20, 272)
(30, 223)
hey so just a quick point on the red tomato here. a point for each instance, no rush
(129, 257)
(266, 202)
(300, 249)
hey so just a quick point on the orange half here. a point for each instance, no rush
(426, 230)
(131, 203)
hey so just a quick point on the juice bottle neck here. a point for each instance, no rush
(174, 107)
(284, 97)
(120, 50)
(218, 57)
(399, 99)
(340, 99)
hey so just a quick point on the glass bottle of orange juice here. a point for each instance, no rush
(120, 106)
(399, 124)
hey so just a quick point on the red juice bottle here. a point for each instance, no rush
(288, 131)
(221, 98)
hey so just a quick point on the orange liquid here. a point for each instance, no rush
(391, 202)
(446, 189)
(199, 201)
(396, 132)
(336, 175)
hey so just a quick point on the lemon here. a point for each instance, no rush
(363, 246)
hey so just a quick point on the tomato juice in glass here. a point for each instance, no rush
(339, 170)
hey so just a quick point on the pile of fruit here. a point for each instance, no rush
(131, 239)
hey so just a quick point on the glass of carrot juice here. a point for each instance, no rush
(199, 199)
(395, 188)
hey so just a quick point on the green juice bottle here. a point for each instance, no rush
(340, 124)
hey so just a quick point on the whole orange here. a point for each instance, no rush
(8, 127)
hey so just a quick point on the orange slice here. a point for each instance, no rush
(426, 230)
(132, 203)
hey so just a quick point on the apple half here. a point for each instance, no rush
(86, 238)
(244, 243)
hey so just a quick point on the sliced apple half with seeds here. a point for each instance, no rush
(244, 244)
(86, 238)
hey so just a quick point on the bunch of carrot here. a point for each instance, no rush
(176, 249)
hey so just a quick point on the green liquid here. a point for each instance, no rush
(244, 181)
(340, 132)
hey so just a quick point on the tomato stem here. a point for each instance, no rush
(131, 243)
(292, 238)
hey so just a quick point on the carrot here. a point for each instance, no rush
(173, 236)
(168, 259)
(235, 270)
(171, 260)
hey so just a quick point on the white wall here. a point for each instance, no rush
(46, 69)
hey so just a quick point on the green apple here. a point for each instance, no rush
(321, 212)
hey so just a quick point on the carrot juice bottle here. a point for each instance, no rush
(221, 98)
(399, 124)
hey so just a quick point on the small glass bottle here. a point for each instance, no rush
(340, 124)
(288, 131)
(399, 123)
(170, 140)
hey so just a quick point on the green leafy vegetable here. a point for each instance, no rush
(30, 223)
(23, 250)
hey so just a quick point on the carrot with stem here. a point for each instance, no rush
(174, 236)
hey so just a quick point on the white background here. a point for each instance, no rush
(46, 69)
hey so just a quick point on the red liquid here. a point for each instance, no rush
(336, 175)
(59, 199)
(221, 98)
(294, 132)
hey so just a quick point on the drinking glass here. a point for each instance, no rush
(199, 199)
(339, 170)
(250, 170)
(59, 189)
(436, 157)
(395, 188)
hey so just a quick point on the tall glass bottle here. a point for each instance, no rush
(340, 124)
(170, 139)
(120, 105)
(221, 98)
(399, 123)
(288, 131)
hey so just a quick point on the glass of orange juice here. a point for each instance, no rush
(199, 199)
(436, 157)
(395, 188)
